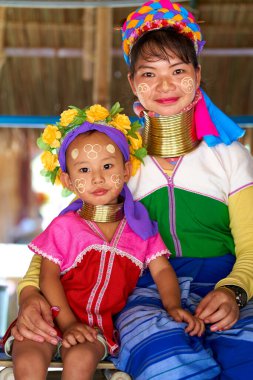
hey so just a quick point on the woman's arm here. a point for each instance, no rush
(34, 320)
(219, 307)
(241, 224)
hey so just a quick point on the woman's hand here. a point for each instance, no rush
(34, 320)
(195, 325)
(78, 333)
(219, 308)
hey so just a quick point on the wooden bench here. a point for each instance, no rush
(6, 373)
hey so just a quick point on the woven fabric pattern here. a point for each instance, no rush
(157, 14)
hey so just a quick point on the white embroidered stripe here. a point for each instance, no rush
(95, 288)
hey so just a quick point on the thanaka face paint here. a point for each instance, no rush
(74, 154)
(92, 150)
(116, 179)
(110, 148)
(79, 185)
(187, 85)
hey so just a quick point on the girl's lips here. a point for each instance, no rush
(167, 100)
(99, 192)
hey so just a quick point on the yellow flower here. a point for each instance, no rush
(67, 117)
(135, 164)
(96, 113)
(135, 143)
(57, 178)
(51, 136)
(49, 160)
(121, 122)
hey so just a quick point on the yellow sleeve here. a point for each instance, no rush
(241, 223)
(32, 275)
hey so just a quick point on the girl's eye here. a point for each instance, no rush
(107, 166)
(84, 170)
(178, 71)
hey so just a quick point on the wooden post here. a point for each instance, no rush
(2, 25)
(88, 43)
(103, 57)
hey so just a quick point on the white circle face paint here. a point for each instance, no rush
(75, 153)
(187, 85)
(80, 185)
(142, 88)
(116, 180)
(110, 148)
(92, 150)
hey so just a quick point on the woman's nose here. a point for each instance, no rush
(166, 85)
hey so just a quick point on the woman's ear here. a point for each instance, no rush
(198, 76)
(127, 171)
(131, 82)
(66, 181)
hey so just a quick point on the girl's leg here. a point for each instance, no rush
(80, 361)
(31, 359)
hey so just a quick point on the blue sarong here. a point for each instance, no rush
(153, 346)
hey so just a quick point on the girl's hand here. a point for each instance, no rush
(219, 308)
(34, 320)
(195, 325)
(78, 333)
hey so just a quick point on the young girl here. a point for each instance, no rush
(93, 255)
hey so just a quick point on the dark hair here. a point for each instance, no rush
(156, 43)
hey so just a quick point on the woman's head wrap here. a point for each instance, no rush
(157, 14)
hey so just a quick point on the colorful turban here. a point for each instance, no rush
(157, 14)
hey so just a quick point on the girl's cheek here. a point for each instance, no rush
(116, 180)
(187, 85)
(80, 185)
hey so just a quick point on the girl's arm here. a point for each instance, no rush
(51, 287)
(168, 287)
(166, 281)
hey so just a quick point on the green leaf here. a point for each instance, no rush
(115, 109)
(54, 174)
(66, 192)
(42, 145)
(75, 108)
(140, 153)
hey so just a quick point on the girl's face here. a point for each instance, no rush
(96, 170)
(165, 87)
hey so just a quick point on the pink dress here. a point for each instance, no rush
(97, 275)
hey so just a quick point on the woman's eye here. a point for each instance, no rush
(107, 166)
(84, 170)
(148, 75)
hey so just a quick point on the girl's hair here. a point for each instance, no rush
(158, 43)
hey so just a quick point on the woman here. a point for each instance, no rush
(197, 183)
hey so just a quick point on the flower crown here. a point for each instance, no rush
(53, 135)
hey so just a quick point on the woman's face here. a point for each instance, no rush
(165, 87)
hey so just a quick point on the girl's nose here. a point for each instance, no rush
(97, 178)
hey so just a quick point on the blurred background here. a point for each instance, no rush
(59, 53)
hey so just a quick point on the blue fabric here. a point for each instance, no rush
(153, 346)
(228, 130)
